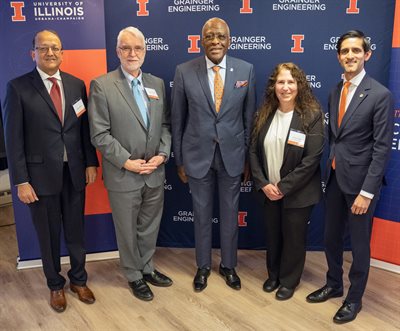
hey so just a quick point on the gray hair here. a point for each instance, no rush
(132, 30)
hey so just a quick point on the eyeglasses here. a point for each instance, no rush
(45, 49)
(212, 36)
(128, 50)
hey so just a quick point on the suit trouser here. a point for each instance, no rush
(137, 216)
(65, 209)
(338, 217)
(286, 233)
(203, 201)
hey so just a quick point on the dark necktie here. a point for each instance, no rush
(55, 95)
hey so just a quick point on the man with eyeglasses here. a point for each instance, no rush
(213, 102)
(51, 160)
(129, 123)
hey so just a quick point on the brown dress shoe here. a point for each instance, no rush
(57, 300)
(84, 293)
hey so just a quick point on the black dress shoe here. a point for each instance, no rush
(156, 278)
(231, 278)
(323, 294)
(200, 280)
(284, 293)
(270, 285)
(347, 313)
(141, 290)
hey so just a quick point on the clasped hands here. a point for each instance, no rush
(142, 167)
(272, 192)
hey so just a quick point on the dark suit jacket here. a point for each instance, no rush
(362, 143)
(197, 127)
(300, 172)
(35, 137)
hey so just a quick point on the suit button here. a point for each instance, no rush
(216, 140)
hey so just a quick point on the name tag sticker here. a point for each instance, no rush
(151, 93)
(79, 108)
(296, 138)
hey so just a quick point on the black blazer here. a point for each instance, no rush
(35, 137)
(300, 172)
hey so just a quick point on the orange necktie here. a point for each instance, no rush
(342, 109)
(218, 88)
(55, 95)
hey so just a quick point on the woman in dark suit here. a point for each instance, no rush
(285, 153)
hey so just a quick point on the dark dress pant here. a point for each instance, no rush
(203, 201)
(286, 234)
(338, 218)
(51, 214)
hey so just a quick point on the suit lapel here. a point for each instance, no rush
(203, 78)
(359, 95)
(148, 82)
(229, 83)
(37, 82)
(123, 87)
(334, 109)
(67, 98)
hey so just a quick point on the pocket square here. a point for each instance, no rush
(241, 83)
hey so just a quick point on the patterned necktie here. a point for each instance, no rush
(55, 95)
(342, 110)
(139, 101)
(218, 88)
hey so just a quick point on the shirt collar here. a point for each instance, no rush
(44, 76)
(211, 64)
(130, 78)
(357, 79)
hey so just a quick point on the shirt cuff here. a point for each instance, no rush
(367, 195)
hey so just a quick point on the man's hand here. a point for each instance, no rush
(26, 193)
(157, 160)
(91, 174)
(272, 192)
(140, 166)
(360, 205)
(182, 174)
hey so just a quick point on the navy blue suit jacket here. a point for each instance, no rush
(197, 127)
(362, 143)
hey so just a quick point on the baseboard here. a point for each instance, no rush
(65, 259)
(385, 265)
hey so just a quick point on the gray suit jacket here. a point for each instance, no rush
(119, 133)
(197, 127)
(362, 143)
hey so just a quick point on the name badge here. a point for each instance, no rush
(79, 108)
(296, 138)
(151, 93)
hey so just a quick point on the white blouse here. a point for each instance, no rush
(274, 143)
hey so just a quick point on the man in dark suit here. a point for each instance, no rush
(213, 101)
(129, 124)
(360, 132)
(51, 160)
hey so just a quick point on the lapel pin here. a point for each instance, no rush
(231, 69)
(361, 95)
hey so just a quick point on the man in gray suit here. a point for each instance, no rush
(213, 101)
(129, 124)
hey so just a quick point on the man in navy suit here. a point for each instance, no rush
(213, 101)
(51, 160)
(360, 139)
